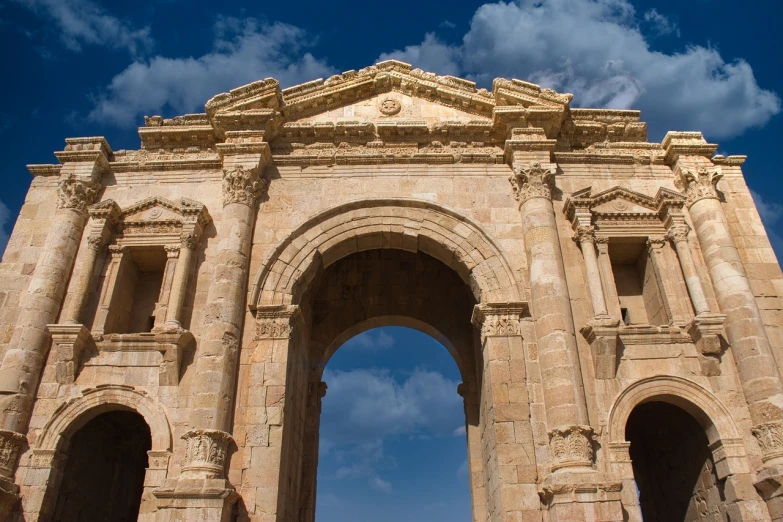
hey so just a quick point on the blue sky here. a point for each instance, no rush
(92, 67)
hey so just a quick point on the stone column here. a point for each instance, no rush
(316, 390)
(678, 235)
(161, 310)
(506, 462)
(607, 277)
(585, 238)
(244, 157)
(570, 435)
(84, 162)
(477, 478)
(744, 326)
(179, 285)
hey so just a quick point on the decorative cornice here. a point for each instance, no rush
(533, 181)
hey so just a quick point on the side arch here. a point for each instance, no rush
(724, 438)
(406, 224)
(74, 414)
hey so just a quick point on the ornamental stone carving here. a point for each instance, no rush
(678, 232)
(77, 194)
(533, 181)
(499, 319)
(390, 107)
(242, 185)
(585, 234)
(770, 438)
(10, 447)
(699, 183)
(96, 242)
(571, 446)
(206, 452)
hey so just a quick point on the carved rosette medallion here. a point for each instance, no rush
(499, 319)
(584, 234)
(678, 233)
(770, 438)
(533, 181)
(242, 185)
(76, 194)
(390, 106)
(571, 446)
(699, 183)
(10, 448)
(205, 454)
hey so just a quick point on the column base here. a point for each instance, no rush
(581, 496)
(9, 497)
(195, 499)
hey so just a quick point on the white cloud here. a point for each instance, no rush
(81, 22)
(5, 219)
(660, 23)
(770, 213)
(373, 405)
(462, 470)
(244, 51)
(378, 484)
(596, 50)
(459, 431)
(364, 407)
(375, 340)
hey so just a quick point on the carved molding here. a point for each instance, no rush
(533, 181)
(585, 234)
(770, 438)
(698, 184)
(242, 185)
(76, 194)
(571, 446)
(499, 319)
(10, 447)
(678, 232)
(276, 322)
(205, 454)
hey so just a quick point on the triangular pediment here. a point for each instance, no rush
(620, 200)
(357, 94)
(163, 210)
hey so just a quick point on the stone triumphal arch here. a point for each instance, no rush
(612, 304)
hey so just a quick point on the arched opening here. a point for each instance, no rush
(392, 431)
(103, 476)
(673, 466)
(361, 291)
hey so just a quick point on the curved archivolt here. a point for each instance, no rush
(406, 224)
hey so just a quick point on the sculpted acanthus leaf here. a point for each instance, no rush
(700, 183)
(75, 193)
(571, 446)
(242, 185)
(533, 181)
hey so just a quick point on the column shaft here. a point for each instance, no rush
(586, 242)
(692, 279)
(80, 288)
(179, 286)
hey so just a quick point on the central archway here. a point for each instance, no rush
(360, 265)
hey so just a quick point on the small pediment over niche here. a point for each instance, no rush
(622, 201)
(163, 210)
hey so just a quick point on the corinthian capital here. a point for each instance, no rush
(10, 447)
(534, 180)
(77, 194)
(585, 234)
(699, 183)
(678, 232)
(206, 452)
(571, 446)
(770, 438)
(242, 185)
